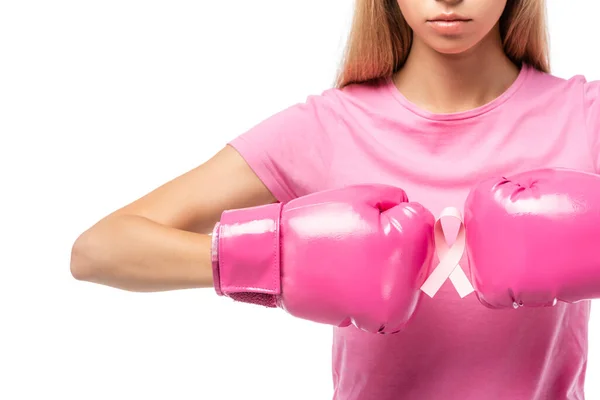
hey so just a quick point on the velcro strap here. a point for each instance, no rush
(246, 254)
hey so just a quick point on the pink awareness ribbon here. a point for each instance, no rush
(449, 257)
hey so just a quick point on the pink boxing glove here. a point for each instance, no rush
(534, 239)
(350, 256)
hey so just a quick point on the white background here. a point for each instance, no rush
(102, 101)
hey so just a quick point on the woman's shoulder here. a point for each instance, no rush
(355, 99)
(358, 91)
(561, 81)
(558, 88)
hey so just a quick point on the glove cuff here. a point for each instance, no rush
(246, 255)
(215, 258)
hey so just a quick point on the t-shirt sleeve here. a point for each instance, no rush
(291, 151)
(592, 105)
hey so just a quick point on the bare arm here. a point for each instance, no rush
(160, 241)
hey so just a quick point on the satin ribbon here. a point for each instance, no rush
(449, 257)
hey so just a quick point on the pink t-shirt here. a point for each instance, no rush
(453, 349)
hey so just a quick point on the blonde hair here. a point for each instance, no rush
(380, 39)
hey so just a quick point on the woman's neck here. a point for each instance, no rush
(443, 83)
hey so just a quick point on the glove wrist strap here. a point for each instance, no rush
(246, 254)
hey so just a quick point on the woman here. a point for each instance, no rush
(433, 97)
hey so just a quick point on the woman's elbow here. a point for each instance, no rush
(83, 265)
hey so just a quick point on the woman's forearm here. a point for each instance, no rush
(136, 254)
